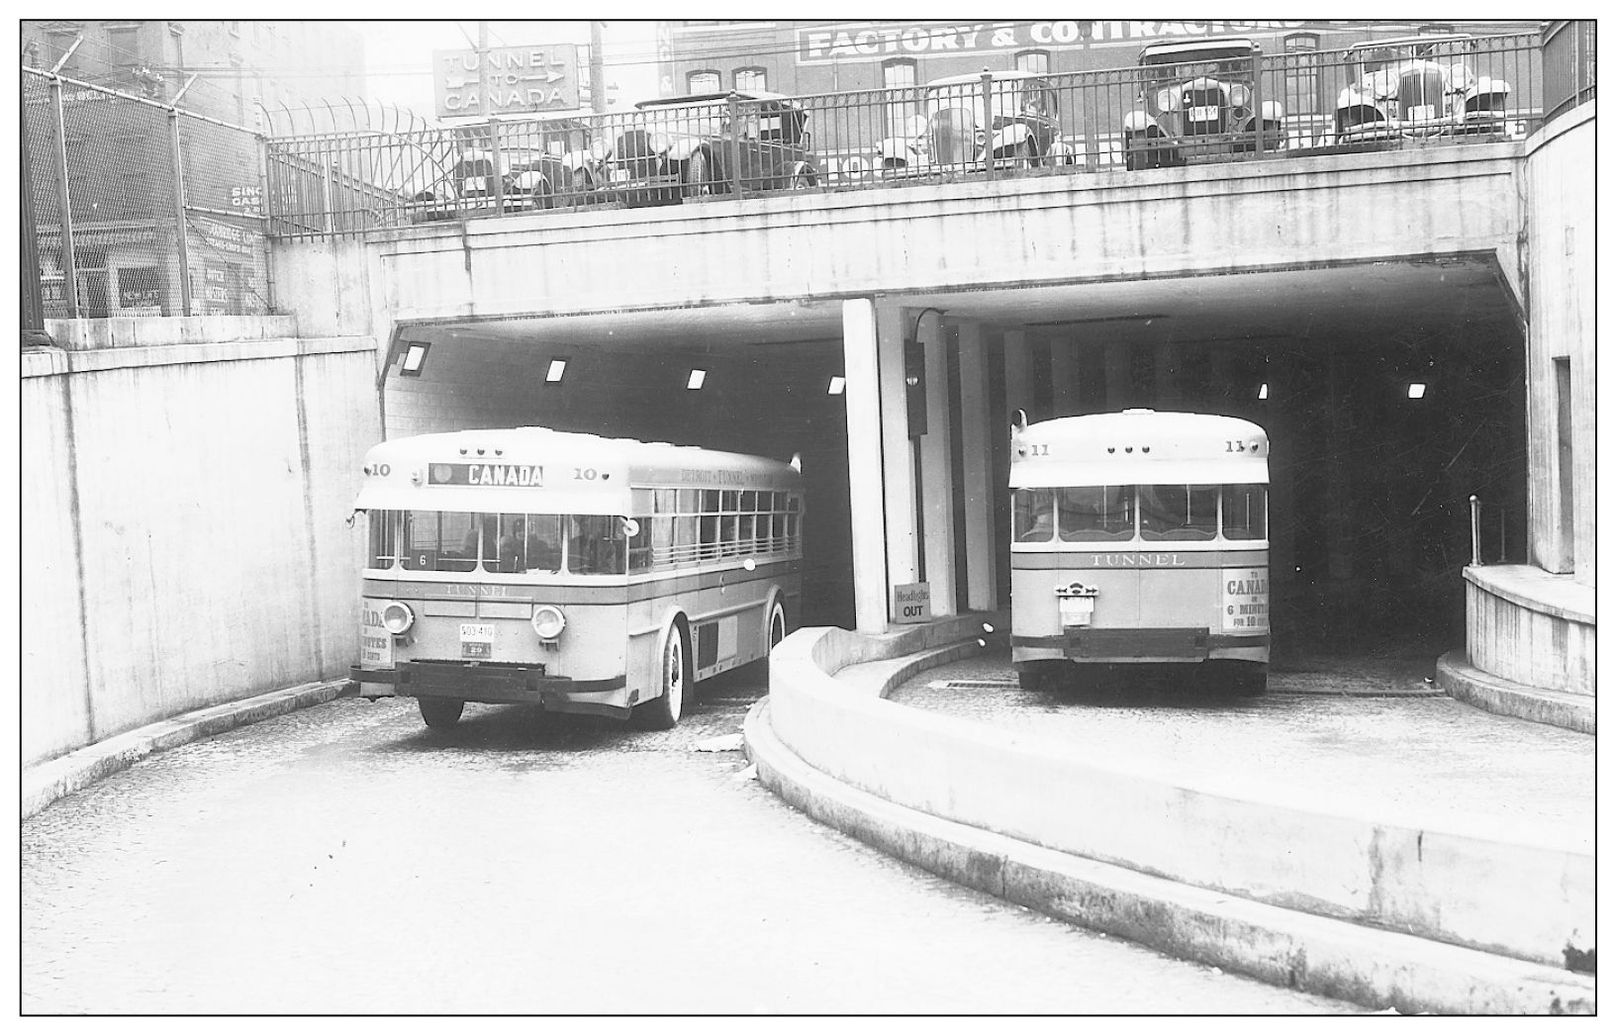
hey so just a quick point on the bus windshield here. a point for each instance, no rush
(499, 543)
(1165, 512)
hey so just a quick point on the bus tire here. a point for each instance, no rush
(1034, 677)
(664, 711)
(777, 625)
(1251, 683)
(441, 713)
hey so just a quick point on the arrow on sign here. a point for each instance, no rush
(549, 76)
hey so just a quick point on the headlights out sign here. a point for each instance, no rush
(883, 40)
(521, 80)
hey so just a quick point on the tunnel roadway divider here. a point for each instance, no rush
(1378, 913)
(65, 774)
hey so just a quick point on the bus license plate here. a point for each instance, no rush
(1076, 610)
(476, 640)
(1203, 113)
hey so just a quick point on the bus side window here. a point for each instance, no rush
(641, 547)
(1245, 512)
(1034, 515)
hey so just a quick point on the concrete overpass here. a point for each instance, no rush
(1178, 288)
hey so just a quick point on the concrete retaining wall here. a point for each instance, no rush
(1494, 894)
(184, 538)
(1531, 627)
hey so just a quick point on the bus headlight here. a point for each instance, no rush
(548, 623)
(397, 617)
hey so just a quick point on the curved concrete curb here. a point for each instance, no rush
(1374, 968)
(65, 774)
(1505, 697)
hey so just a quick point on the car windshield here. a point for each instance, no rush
(1223, 70)
(1010, 97)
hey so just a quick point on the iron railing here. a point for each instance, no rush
(1200, 104)
(1568, 65)
(140, 208)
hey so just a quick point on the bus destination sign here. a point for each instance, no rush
(521, 475)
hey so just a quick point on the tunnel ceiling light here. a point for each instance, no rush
(698, 377)
(414, 357)
(838, 385)
(557, 368)
(1262, 393)
(1416, 390)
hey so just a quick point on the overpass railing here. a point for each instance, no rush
(1205, 101)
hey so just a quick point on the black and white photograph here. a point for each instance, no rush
(648, 517)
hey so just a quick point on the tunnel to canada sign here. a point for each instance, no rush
(1245, 598)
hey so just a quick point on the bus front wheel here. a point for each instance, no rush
(663, 711)
(1034, 677)
(1252, 683)
(441, 713)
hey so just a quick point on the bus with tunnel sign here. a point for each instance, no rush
(572, 572)
(1139, 538)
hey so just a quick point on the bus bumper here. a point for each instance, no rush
(1138, 645)
(527, 685)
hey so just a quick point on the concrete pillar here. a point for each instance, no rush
(1018, 374)
(937, 469)
(1063, 377)
(862, 399)
(976, 449)
(897, 449)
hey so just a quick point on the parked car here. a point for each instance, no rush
(958, 132)
(1414, 87)
(685, 146)
(544, 164)
(1197, 98)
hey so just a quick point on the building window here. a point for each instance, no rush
(900, 74)
(57, 44)
(751, 79)
(704, 81)
(1436, 28)
(1033, 60)
(1301, 70)
(123, 46)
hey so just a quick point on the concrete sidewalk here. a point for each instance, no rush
(54, 778)
(1371, 839)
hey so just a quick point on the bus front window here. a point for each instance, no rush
(1034, 515)
(1178, 512)
(1245, 512)
(383, 537)
(595, 544)
(1097, 513)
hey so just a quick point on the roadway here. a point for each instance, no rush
(341, 859)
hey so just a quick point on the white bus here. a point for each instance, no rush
(577, 573)
(1140, 537)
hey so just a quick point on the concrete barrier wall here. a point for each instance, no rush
(1224, 218)
(1526, 626)
(1558, 263)
(1492, 893)
(185, 539)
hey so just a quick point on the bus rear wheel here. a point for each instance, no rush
(663, 711)
(441, 713)
(1034, 677)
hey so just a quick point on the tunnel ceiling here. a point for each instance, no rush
(1368, 302)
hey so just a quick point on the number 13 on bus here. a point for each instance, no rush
(1140, 537)
(576, 573)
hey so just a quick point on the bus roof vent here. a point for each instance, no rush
(1137, 409)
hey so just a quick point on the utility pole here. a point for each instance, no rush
(495, 183)
(597, 68)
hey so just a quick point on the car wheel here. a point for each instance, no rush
(698, 175)
(1026, 154)
(543, 195)
(663, 711)
(441, 714)
(1134, 157)
(803, 179)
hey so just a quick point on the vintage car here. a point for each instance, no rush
(1418, 86)
(1197, 97)
(545, 164)
(685, 146)
(957, 131)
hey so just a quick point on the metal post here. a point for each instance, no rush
(1256, 100)
(1475, 531)
(179, 213)
(498, 168)
(33, 307)
(493, 128)
(70, 285)
(264, 225)
(987, 123)
(736, 187)
(597, 68)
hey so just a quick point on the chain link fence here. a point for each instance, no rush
(140, 208)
